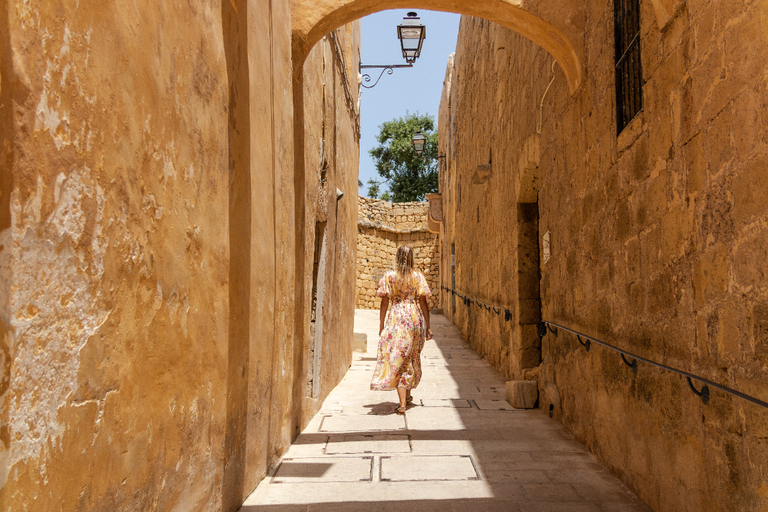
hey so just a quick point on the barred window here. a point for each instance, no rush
(629, 73)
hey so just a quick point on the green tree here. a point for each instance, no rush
(408, 175)
(373, 188)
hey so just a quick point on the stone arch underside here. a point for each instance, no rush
(555, 26)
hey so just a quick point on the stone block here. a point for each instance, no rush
(750, 201)
(750, 267)
(360, 342)
(676, 231)
(522, 394)
(711, 275)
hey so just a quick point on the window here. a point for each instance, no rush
(629, 74)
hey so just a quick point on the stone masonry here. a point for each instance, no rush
(177, 268)
(164, 171)
(382, 227)
(652, 239)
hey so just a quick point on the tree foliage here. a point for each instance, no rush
(373, 188)
(409, 176)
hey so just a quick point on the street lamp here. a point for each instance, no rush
(411, 34)
(418, 142)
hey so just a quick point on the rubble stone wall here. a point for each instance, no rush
(657, 239)
(382, 227)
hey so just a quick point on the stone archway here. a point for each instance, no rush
(555, 27)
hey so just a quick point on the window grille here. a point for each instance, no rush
(629, 73)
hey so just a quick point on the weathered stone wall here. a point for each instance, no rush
(151, 251)
(657, 239)
(382, 227)
(331, 156)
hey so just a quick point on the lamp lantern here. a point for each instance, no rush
(418, 142)
(411, 34)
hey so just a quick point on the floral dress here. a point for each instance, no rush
(398, 363)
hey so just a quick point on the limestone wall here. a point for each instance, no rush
(331, 156)
(382, 227)
(152, 249)
(657, 239)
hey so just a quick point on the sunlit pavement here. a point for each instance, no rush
(461, 448)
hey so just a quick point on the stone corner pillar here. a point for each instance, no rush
(522, 394)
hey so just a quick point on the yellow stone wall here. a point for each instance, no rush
(331, 156)
(657, 239)
(382, 227)
(156, 225)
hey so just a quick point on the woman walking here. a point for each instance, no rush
(402, 335)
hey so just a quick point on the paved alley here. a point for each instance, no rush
(461, 448)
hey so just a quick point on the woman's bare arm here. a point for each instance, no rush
(425, 312)
(383, 312)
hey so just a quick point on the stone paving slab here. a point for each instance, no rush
(454, 403)
(428, 468)
(323, 469)
(369, 443)
(345, 423)
(493, 405)
(460, 448)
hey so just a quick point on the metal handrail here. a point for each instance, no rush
(586, 342)
(703, 393)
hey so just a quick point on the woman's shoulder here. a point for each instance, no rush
(388, 276)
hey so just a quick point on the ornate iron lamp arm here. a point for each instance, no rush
(388, 69)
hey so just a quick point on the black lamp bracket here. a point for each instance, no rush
(388, 69)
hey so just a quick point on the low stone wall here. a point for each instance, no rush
(382, 227)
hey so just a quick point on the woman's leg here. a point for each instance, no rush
(401, 394)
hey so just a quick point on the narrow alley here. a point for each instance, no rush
(187, 249)
(461, 448)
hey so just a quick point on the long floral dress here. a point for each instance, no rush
(398, 363)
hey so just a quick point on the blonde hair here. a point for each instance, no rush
(404, 261)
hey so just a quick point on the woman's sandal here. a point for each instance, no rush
(409, 400)
(400, 411)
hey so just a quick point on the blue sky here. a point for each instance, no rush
(415, 89)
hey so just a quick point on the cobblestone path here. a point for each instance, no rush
(461, 448)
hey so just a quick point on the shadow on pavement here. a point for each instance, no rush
(462, 448)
